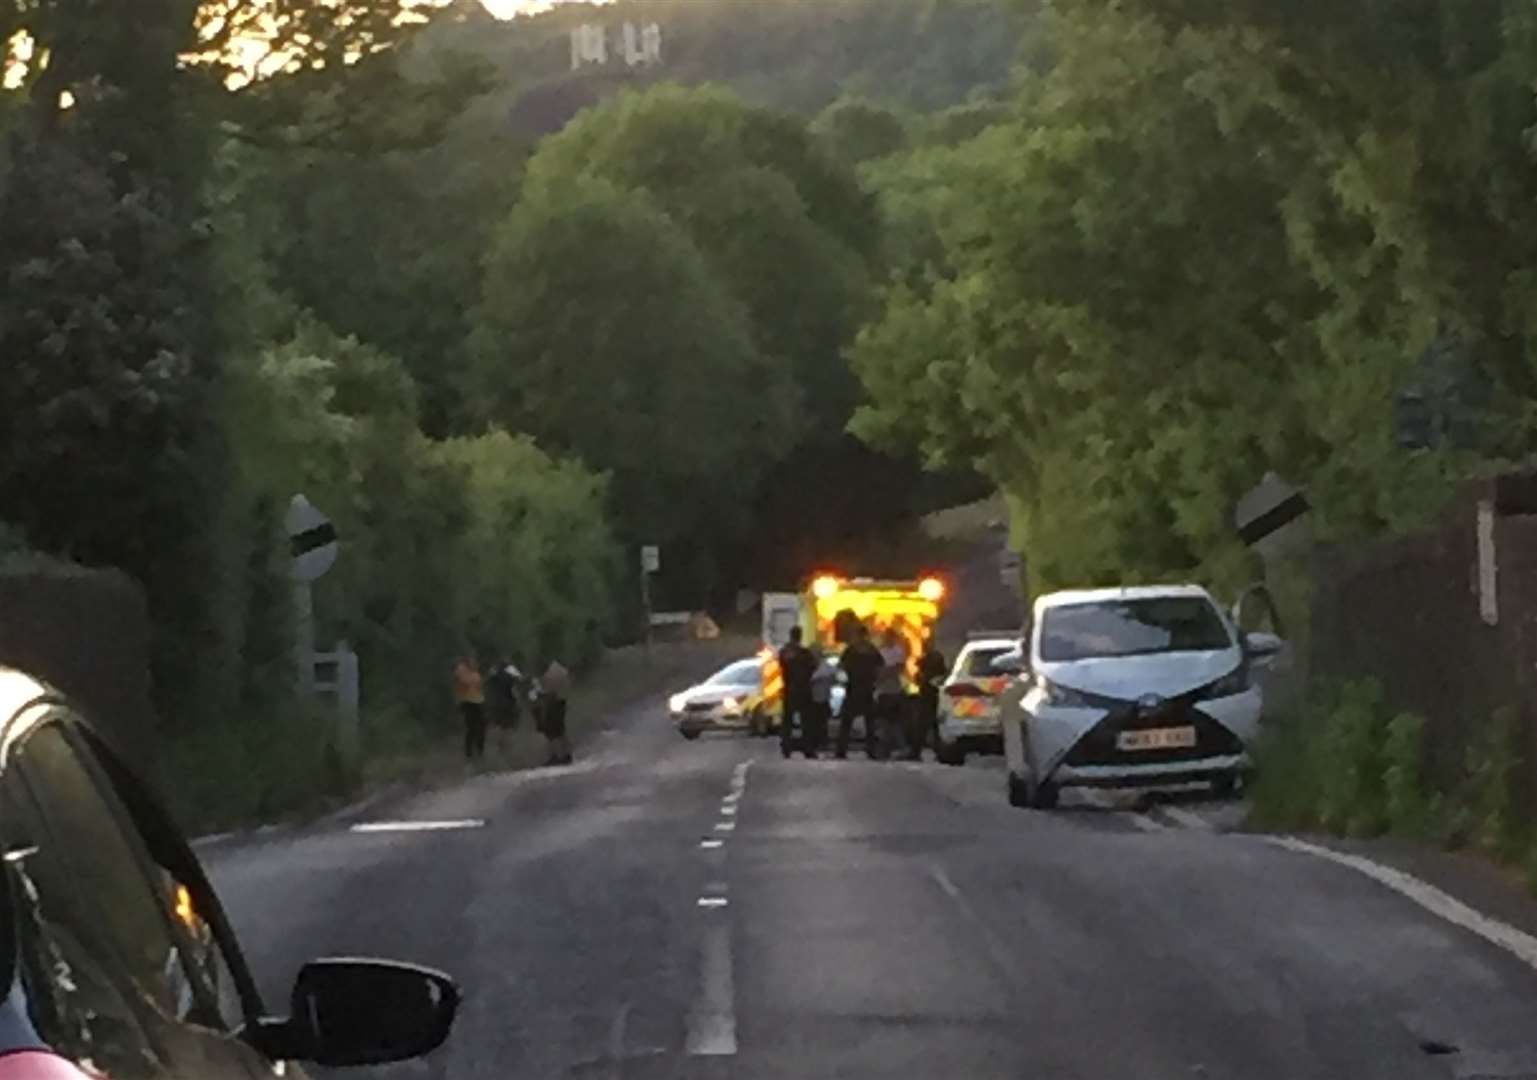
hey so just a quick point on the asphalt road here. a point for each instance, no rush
(708, 910)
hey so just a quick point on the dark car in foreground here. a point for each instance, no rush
(116, 958)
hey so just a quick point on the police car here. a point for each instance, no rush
(969, 699)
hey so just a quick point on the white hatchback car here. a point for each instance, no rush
(1134, 687)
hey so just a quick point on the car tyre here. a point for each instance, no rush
(1019, 792)
(949, 754)
(689, 735)
(1046, 794)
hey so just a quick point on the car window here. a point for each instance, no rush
(978, 663)
(105, 962)
(742, 673)
(1132, 628)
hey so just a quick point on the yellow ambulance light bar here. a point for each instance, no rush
(866, 598)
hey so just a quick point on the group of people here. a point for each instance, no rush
(499, 696)
(874, 691)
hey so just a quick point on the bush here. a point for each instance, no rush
(1354, 771)
(1408, 804)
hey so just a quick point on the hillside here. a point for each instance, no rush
(791, 54)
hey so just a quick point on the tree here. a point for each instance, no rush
(603, 333)
(858, 131)
(787, 228)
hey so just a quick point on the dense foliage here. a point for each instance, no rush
(1213, 241)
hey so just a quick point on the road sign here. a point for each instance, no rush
(1273, 518)
(311, 540)
(650, 559)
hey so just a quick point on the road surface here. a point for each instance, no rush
(672, 909)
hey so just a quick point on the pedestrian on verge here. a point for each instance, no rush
(470, 694)
(932, 670)
(860, 664)
(554, 688)
(503, 703)
(890, 697)
(796, 665)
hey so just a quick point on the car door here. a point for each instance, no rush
(121, 970)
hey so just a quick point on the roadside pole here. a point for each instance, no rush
(650, 563)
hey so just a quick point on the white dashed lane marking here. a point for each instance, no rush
(417, 826)
(712, 1019)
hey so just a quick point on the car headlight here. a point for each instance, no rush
(1065, 697)
(731, 707)
(677, 703)
(1233, 683)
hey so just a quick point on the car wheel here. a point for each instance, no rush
(1046, 794)
(1019, 792)
(758, 724)
(949, 754)
(689, 735)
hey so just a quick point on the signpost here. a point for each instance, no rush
(312, 549)
(650, 563)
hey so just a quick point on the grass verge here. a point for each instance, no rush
(227, 777)
(1350, 767)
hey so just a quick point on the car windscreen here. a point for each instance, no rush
(741, 673)
(1132, 628)
(978, 663)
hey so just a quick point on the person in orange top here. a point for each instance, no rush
(470, 694)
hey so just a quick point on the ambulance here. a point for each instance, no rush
(829, 607)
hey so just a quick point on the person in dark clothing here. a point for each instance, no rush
(554, 689)
(504, 700)
(861, 664)
(932, 670)
(796, 666)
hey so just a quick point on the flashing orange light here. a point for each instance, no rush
(932, 590)
(184, 909)
(825, 586)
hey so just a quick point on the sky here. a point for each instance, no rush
(506, 9)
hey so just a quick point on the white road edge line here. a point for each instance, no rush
(712, 1020)
(1502, 935)
(1186, 818)
(1146, 824)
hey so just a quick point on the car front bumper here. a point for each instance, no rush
(1079, 747)
(699, 723)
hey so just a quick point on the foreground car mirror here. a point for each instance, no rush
(1260, 644)
(362, 1012)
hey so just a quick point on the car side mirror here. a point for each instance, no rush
(1014, 663)
(1259, 644)
(362, 1012)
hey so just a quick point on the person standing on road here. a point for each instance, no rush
(932, 670)
(890, 699)
(554, 688)
(796, 666)
(824, 673)
(469, 693)
(860, 664)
